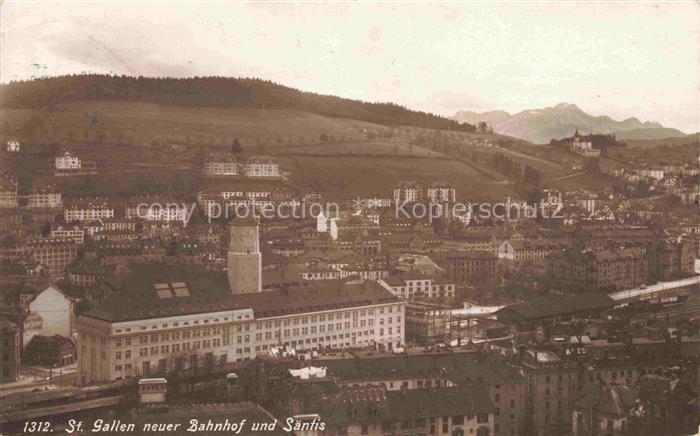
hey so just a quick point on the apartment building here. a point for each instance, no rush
(219, 196)
(440, 192)
(88, 211)
(68, 161)
(478, 239)
(8, 192)
(10, 349)
(255, 166)
(261, 166)
(419, 286)
(490, 378)
(75, 232)
(372, 410)
(44, 198)
(156, 209)
(465, 266)
(13, 146)
(410, 192)
(580, 270)
(54, 253)
(552, 387)
(519, 248)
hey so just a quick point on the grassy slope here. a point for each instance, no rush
(141, 123)
(350, 165)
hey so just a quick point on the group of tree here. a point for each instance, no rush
(225, 92)
(514, 171)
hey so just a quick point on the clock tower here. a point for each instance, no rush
(244, 258)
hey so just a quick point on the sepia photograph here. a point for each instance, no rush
(350, 218)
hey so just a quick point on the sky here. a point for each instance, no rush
(609, 58)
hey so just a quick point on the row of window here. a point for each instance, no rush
(185, 323)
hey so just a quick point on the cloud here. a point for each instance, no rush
(634, 60)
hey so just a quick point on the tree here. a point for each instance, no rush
(531, 175)
(592, 166)
(236, 148)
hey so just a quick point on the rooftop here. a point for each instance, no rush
(142, 295)
(555, 305)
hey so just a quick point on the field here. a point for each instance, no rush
(145, 146)
(144, 124)
(350, 176)
(137, 146)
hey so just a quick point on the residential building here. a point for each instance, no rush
(440, 192)
(8, 192)
(582, 144)
(261, 166)
(477, 239)
(53, 313)
(54, 253)
(519, 248)
(576, 270)
(468, 266)
(50, 351)
(373, 410)
(413, 285)
(87, 210)
(84, 273)
(66, 232)
(408, 192)
(44, 198)
(552, 387)
(68, 161)
(10, 351)
(255, 166)
(351, 224)
(13, 146)
(656, 173)
(157, 209)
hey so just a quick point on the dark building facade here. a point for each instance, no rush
(10, 349)
(470, 266)
(52, 351)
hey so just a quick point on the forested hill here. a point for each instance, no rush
(214, 92)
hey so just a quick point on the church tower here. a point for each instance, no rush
(244, 258)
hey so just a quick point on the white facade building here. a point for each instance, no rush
(441, 193)
(13, 146)
(157, 211)
(408, 192)
(260, 166)
(63, 231)
(44, 199)
(165, 317)
(426, 287)
(68, 162)
(88, 212)
(55, 312)
(8, 193)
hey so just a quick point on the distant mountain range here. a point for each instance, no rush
(541, 125)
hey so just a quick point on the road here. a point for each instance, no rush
(40, 378)
(568, 176)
